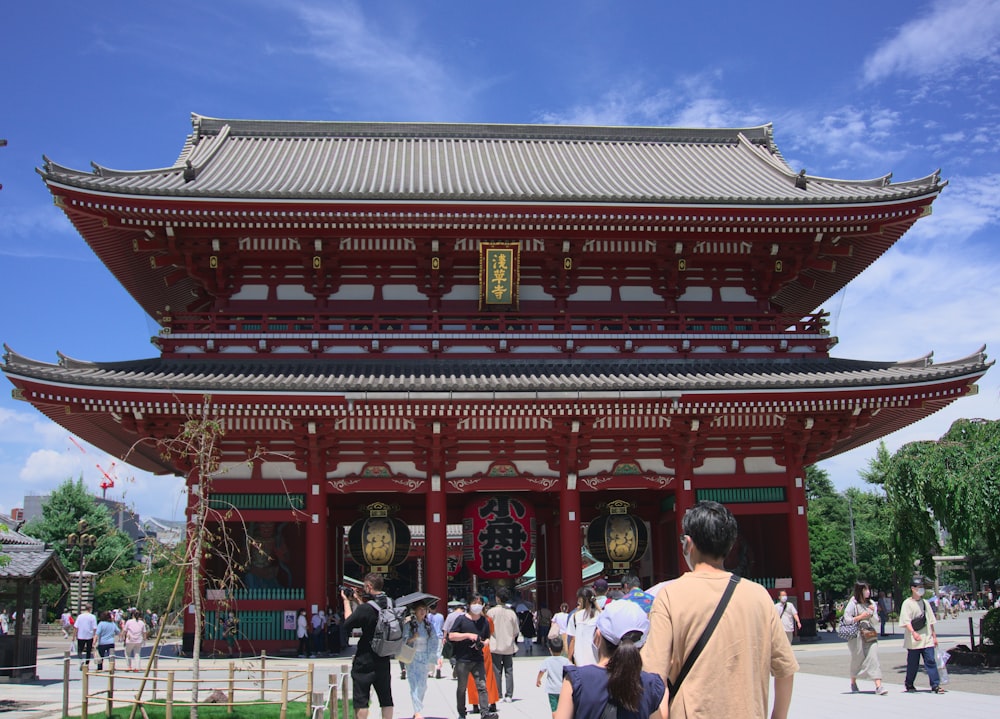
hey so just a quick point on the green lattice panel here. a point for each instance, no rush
(742, 495)
(261, 626)
(258, 501)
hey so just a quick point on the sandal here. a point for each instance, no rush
(939, 690)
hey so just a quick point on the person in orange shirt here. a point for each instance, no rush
(492, 690)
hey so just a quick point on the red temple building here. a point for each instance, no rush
(512, 329)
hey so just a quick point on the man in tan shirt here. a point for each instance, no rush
(731, 678)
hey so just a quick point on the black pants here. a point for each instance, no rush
(104, 650)
(85, 649)
(464, 668)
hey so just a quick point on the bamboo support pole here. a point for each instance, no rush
(85, 688)
(232, 687)
(309, 683)
(263, 673)
(345, 671)
(111, 687)
(65, 697)
(170, 695)
(284, 696)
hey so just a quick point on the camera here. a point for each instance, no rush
(347, 591)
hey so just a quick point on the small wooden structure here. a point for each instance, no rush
(31, 564)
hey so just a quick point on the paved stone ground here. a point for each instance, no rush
(821, 687)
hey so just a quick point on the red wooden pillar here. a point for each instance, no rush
(683, 501)
(661, 543)
(436, 541)
(798, 550)
(317, 536)
(570, 539)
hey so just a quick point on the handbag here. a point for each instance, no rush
(448, 650)
(868, 633)
(406, 653)
(553, 631)
(674, 687)
(847, 630)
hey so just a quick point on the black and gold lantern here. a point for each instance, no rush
(379, 541)
(617, 537)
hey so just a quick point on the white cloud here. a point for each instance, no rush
(850, 135)
(692, 101)
(955, 33)
(41, 455)
(23, 226)
(385, 71)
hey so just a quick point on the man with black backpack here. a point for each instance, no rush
(368, 669)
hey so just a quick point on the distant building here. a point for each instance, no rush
(164, 531)
(122, 516)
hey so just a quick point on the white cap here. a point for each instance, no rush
(621, 617)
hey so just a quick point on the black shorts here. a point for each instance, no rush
(366, 677)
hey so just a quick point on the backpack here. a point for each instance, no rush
(388, 637)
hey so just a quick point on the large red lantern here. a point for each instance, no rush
(617, 537)
(379, 541)
(454, 560)
(498, 538)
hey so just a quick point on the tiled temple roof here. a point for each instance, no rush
(490, 375)
(28, 556)
(440, 162)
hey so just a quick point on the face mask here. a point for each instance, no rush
(476, 608)
(782, 599)
(866, 594)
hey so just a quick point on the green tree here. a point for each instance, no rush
(833, 571)
(68, 504)
(869, 511)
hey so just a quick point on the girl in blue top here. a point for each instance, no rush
(419, 633)
(617, 681)
(104, 638)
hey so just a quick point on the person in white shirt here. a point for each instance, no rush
(503, 643)
(86, 628)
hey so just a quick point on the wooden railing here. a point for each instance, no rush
(322, 333)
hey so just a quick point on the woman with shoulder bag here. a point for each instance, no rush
(861, 610)
(421, 639)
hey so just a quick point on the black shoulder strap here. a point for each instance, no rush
(674, 687)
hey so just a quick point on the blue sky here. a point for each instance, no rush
(854, 90)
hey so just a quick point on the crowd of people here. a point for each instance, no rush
(625, 653)
(130, 628)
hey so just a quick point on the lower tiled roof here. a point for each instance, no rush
(489, 375)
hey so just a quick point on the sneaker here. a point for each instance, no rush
(910, 689)
(437, 674)
(854, 688)
(882, 691)
(491, 715)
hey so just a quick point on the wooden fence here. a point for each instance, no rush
(250, 682)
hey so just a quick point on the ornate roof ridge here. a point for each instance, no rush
(204, 126)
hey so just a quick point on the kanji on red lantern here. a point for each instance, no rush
(499, 537)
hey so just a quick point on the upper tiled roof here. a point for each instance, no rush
(430, 162)
(490, 375)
